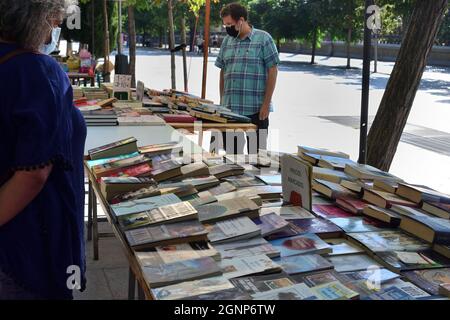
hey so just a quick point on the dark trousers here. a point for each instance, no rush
(234, 142)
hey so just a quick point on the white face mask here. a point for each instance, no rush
(49, 48)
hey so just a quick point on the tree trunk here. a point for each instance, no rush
(132, 44)
(349, 44)
(106, 71)
(314, 46)
(183, 41)
(192, 37)
(161, 35)
(404, 82)
(278, 44)
(93, 28)
(171, 43)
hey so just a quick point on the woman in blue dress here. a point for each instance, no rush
(41, 159)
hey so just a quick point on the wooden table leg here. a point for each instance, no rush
(89, 223)
(141, 295)
(131, 285)
(94, 225)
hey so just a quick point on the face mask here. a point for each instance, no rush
(233, 32)
(49, 48)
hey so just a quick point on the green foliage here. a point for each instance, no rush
(84, 35)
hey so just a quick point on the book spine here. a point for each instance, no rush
(442, 237)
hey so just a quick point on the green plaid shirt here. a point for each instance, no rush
(245, 64)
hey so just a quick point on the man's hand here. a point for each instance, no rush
(264, 112)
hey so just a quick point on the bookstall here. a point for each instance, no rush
(311, 225)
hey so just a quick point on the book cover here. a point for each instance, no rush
(246, 266)
(380, 275)
(303, 263)
(392, 240)
(352, 204)
(223, 295)
(307, 243)
(330, 175)
(145, 204)
(428, 280)
(180, 271)
(334, 291)
(359, 224)
(233, 230)
(321, 151)
(101, 152)
(93, 163)
(328, 211)
(353, 262)
(272, 180)
(341, 246)
(364, 171)
(144, 169)
(244, 248)
(270, 223)
(296, 181)
(227, 209)
(296, 292)
(244, 180)
(318, 278)
(263, 283)
(224, 187)
(192, 288)
(113, 167)
(180, 232)
(404, 261)
(288, 212)
(321, 227)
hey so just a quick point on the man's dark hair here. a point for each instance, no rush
(235, 10)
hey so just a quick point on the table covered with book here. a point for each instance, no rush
(204, 226)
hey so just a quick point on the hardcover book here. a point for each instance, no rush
(330, 189)
(385, 199)
(364, 171)
(352, 204)
(418, 194)
(430, 229)
(125, 146)
(440, 210)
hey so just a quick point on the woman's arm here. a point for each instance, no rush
(20, 190)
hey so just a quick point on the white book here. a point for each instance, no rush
(245, 266)
(192, 288)
(145, 204)
(232, 230)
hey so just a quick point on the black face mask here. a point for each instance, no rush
(232, 31)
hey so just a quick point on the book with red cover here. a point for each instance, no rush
(178, 118)
(140, 170)
(353, 205)
(329, 211)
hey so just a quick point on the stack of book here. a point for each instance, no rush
(95, 94)
(219, 230)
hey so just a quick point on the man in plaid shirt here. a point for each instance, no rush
(248, 60)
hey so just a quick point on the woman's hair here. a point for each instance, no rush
(26, 22)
